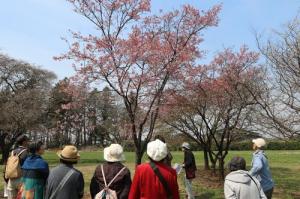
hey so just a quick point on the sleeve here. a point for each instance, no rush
(135, 188)
(127, 184)
(80, 185)
(256, 166)
(228, 191)
(94, 187)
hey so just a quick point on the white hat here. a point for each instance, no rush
(259, 142)
(157, 150)
(186, 145)
(114, 153)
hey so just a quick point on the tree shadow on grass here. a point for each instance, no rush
(206, 195)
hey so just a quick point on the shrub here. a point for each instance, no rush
(271, 145)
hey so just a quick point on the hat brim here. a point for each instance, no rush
(186, 147)
(109, 158)
(75, 159)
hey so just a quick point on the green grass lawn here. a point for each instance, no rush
(285, 167)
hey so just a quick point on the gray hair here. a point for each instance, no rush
(237, 163)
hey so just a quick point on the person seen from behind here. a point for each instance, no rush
(155, 179)
(260, 167)
(168, 159)
(239, 184)
(190, 168)
(35, 172)
(112, 173)
(64, 181)
(20, 150)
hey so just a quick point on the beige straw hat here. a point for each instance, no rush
(69, 154)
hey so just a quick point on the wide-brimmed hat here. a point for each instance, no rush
(186, 145)
(114, 153)
(69, 154)
(259, 142)
(157, 150)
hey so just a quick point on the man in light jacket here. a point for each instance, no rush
(239, 184)
(260, 167)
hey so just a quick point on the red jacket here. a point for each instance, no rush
(146, 184)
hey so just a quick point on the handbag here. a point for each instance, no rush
(190, 173)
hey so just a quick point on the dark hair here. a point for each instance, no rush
(237, 163)
(160, 137)
(21, 139)
(67, 162)
(35, 146)
(157, 161)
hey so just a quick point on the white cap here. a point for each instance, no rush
(259, 142)
(186, 145)
(114, 153)
(157, 150)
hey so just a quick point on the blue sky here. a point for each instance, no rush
(32, 29)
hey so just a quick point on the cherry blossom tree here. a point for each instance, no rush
(213, 102)
(136, 53)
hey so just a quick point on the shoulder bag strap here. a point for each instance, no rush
(103, 176)
(21, 152)
(254, 182)
(116, 176)
(62, 183)
(162, 180)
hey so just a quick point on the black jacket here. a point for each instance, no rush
(189, 164)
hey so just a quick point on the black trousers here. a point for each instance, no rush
(269, 193)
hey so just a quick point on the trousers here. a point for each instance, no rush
(189, 188)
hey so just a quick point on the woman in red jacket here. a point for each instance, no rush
(146, 182)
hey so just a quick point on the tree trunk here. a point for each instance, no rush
(95, 140)
(7, 146)
(206, 159)
(84, 136)
(138, 157)
(213, 162)
(5, 153)
(77, 138)
(221, 168)
(84, 129)
(4, 148)
(47, 138)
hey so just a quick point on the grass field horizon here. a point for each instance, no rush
(285, 168)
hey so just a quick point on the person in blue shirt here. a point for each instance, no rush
(260, 167)
(35, 172)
